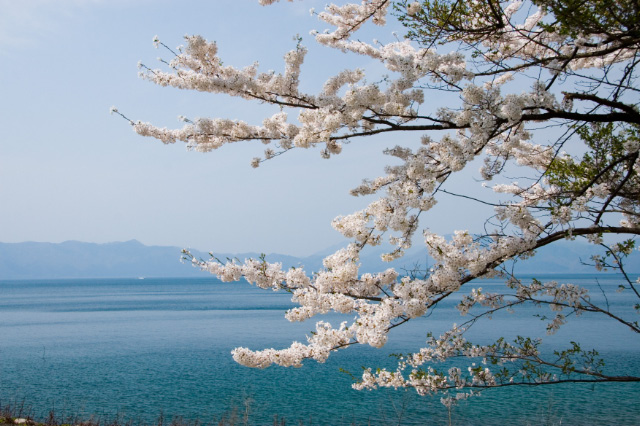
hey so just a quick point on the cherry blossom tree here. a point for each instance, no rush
(545, 90)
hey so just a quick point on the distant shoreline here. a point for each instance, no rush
(132, 259)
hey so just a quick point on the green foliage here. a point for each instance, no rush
(605, 161)
(574, 18)
(348, 373)
(443, 21)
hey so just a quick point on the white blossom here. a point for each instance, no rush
(505, 97)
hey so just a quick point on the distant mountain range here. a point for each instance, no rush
(74, 259)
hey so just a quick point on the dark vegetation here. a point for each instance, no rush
(18, 413)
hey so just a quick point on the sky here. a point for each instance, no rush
(71, 171)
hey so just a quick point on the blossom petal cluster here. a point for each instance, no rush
(555, 107)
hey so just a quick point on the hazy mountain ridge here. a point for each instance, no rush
(74, 259)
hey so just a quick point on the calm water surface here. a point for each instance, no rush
(141, 347)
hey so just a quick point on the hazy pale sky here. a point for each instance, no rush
(71, 171)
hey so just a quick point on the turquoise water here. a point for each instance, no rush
(141, 347)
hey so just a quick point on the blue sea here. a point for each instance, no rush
(138, 348)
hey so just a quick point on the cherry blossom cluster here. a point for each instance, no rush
(519, 78)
